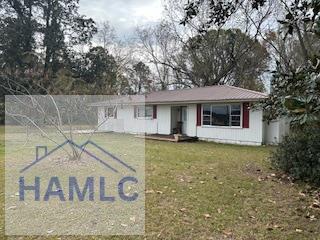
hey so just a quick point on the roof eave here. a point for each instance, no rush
(102, 104)
(206, 101)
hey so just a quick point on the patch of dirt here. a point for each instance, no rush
(309, 196)
(253, 169)
(257, 172)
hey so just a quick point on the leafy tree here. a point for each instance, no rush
(36, 40)
(18, 26)
(140, 78)
(98, 69)
(224, 57)
(64, 27)
(184, 58)
(295, 87)
(295, 84)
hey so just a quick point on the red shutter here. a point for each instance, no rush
(245, 115)
(154, 112)
(198, 114)
(134, 111)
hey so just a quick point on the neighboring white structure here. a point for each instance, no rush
(218, 113)
(275, 131)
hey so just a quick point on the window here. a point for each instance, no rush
(149, 111)
(110, 112)
(221, 115)
(206, 115)
(235, 115)
(144, 111)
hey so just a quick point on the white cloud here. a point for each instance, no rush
(123, 15)
(152, 12)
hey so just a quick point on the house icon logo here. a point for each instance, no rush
(39, 158)
(63, 176)
(55, 187)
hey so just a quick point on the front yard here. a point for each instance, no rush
(213, 191)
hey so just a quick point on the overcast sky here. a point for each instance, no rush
(123, 15)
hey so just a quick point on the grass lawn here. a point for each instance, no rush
(213, 191)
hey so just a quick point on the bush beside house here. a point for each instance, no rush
(299, 155)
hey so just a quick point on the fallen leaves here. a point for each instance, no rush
(316, 204)
(185, 178)
(227, 233)
(302, 194)
(276, 177)
(153, 191)
(275, 226)
(311, 217)
(149, 191)
(271, 201)
(183, 210)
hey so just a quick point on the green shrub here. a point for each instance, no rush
(299, 155)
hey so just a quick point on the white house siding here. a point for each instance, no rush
(134, 125)
(275, 131)
(114, 125)
(246, 136)
(284, 128)
(192, 120)
(164, 119)
(256, 134)
(125, 122)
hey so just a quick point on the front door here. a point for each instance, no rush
(184, 118)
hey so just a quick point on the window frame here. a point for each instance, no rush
(145, 111)
(230, 115)
(106, 112)
(203, 115)
(235, 115)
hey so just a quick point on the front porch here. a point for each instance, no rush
(169, 138)
(179, 120)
